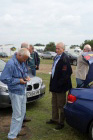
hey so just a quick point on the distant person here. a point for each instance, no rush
(34, 61)
(15, 76)
(82, 68)
(60, 82)
(25, 45)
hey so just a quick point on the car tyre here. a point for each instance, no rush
(52, 57)
(91, 131)
(75, 62)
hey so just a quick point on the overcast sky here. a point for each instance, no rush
(44, 21)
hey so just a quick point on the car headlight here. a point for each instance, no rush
(3, 89)
(41, 82)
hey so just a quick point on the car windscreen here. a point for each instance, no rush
(2, 65)
(73, 55)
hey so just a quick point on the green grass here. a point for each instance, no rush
(46, 61)
(40, 112)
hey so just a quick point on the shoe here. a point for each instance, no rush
(21, 134)
(26, 120)
(59, 126)
(23, 126)
(50, 122)
(13, 139)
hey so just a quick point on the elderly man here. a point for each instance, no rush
(25, 45)
(33, 63)
(15, 76)
(82, 68)
(60, 82)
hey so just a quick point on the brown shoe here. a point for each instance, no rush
(59, 126)
(50, 122)
(26, 120)
(23, 126)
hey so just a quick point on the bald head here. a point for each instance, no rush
(60, 47)
(25, 45)
(87, 48)
(31, 48)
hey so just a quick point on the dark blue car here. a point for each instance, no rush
(79, 107)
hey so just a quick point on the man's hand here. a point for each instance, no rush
(37, 67)
(22, 81)
(27, 78)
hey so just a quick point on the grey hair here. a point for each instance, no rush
(87, 47)
(24, 52)
(31, 46)
(62, 45)
(25, 45)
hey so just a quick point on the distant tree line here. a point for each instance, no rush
(13, 49)
(52, 47)
(74, 46)
(90, 42)
(38, 44)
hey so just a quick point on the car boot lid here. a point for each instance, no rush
(82, 93)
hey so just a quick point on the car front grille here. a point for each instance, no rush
(29, 87)
(35, 86)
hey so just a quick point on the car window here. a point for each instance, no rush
(72, 55)
(47, 53)
(0, 53)
(44, 53)
(69, 54)
(2, 65)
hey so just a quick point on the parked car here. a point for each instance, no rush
(48, 55)
(77, 51)
(3, 54)
(40, 54)
(79, 107)
(35, 89)
(72, 58)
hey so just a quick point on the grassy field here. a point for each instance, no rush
(40, 112)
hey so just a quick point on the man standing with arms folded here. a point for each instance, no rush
(60, 82)
(82, 68)
(15, 76)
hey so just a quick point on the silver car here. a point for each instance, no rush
(34, 90)
(48, 55)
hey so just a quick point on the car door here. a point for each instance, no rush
(47, 55)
